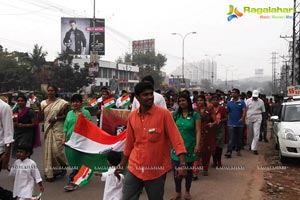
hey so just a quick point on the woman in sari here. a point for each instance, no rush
(24, 124)
(54, 111)
(220, 113)
(208, 138)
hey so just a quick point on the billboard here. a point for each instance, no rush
(293, 90)
(143, 46)
(77, 36)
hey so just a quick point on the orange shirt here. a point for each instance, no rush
(148, 142)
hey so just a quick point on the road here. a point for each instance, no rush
(239, 179)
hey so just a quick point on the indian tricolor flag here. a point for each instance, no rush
(88, 145)
(93, 103)
(89, 138)
(83, 176)
(109, 103)
(125, 100)
(33, 99)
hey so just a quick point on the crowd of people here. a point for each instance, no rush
(165, 130)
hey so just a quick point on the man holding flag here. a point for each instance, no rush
(151, 131)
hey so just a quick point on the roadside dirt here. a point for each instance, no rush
(281, 181)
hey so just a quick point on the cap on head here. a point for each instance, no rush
(255, 93)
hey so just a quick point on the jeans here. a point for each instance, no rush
(235, 138)
(188, 178)
(133, 187)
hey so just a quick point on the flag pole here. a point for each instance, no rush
(101, 118)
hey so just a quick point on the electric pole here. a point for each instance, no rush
(274, 57)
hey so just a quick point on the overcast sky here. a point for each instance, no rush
(245, 43)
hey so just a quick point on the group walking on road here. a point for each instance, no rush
(167, 131)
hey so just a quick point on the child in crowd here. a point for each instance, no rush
(26, 173)
(113, 182)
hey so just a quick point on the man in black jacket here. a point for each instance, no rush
(74, 40)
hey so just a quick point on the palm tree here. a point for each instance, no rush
(37, 58)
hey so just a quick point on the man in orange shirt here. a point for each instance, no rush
(151, 131)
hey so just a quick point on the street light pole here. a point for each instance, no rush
(212, 67)
(226, 81)
(183, 38)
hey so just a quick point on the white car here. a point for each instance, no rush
(286, 128)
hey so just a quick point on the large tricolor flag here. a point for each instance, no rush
(93, 103)
(88, 138)
(109, 103)
(88, 146)
(125, 100)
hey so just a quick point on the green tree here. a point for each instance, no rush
(14, 72)
(69, 78)
(38, 58)
(127, 58)
(150, 64)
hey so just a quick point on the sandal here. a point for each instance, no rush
(49, 179)
(187, 196)
(71, 187)
(177, 196)
(205, 173)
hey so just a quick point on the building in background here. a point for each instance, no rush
(116, 76)
(197, 71)
(259, 72)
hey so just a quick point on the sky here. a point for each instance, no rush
(245, 43)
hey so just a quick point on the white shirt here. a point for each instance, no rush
(254, 109)
(99, 100)
(118, 102)
(26, 173)
(113, 187)
(159, 100)
(6, 126)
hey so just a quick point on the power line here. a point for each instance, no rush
(55, 7)
(16, 42)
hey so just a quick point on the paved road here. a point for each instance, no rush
(240, 179)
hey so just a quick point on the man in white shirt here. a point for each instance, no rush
(6, 133)
(158, 98)
(255, 108)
